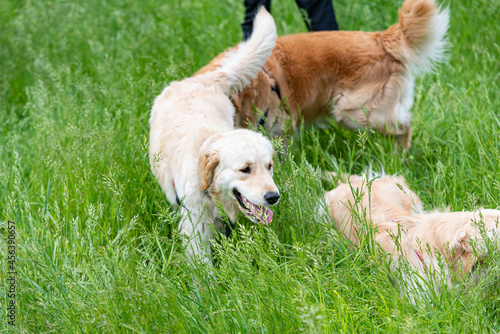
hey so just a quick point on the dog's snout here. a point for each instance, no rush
(272, 197)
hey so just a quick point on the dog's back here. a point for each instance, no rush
(377, 201)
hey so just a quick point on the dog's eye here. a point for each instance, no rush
(270, 166)
(246, 170)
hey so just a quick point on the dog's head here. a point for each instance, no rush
(469, 236)
(236, 167)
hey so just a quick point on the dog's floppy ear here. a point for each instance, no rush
(463, 257)
(208, 161)
(460, 244)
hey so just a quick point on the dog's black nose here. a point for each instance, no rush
(272, 197)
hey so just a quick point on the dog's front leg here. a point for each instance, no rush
(198, 235)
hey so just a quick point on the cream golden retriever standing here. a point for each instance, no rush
(364, 79)
(198, 157)
(404, 230)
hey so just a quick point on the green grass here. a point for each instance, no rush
(97, 243)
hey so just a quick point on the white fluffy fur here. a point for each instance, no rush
(251, 54)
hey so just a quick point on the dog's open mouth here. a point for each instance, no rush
(259, 213)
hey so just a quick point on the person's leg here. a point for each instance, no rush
(251, 7)
(321, 14)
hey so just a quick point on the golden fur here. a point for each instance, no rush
(364, 79)
(197, 155)
(404, 230)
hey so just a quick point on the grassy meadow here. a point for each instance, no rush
(97, 245)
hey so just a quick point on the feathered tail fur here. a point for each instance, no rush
(244, 62)
(419, 39)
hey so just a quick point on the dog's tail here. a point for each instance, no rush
(244, 62)
(419, 39)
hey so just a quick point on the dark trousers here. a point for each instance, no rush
(320, 14)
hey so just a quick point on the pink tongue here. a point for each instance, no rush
(262, 213)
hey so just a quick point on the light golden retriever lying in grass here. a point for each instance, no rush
(405, 231)
(198, 157)
(364, 79)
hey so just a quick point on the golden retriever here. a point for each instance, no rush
(198, 157)
(364, 79)
(404, 230)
